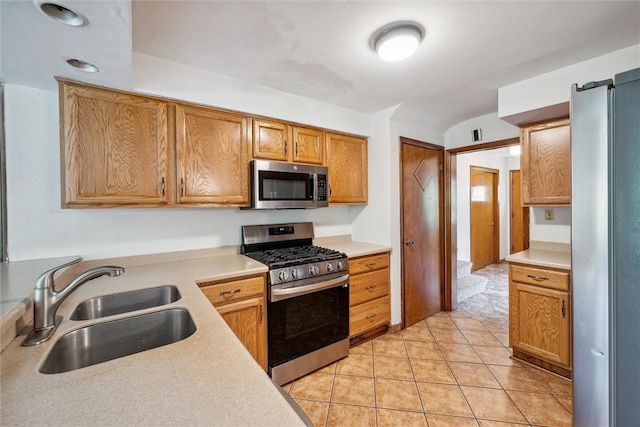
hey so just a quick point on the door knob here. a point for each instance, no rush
(408, 242)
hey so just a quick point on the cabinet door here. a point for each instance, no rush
(347, 161)
(212, 157)
(308, 145)
(247, 320)
(539, 322)
(271, 140)
(114, 148)
(545, 163)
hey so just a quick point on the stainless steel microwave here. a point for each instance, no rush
(280, 185)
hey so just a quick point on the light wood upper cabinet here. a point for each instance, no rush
(348, 168)
(540, 317)
(271, 140)
(212, 154)
(287, 143)
(545, 163)
(308, 145)
(122, 149)
(114, 148)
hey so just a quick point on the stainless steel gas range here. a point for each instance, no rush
(308, 298)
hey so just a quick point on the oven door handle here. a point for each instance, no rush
(280, 294)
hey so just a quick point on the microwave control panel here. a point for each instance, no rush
(322, 187)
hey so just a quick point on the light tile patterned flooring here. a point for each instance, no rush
(448, 370)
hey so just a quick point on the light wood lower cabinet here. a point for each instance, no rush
(369, 301)
(540, 317)
(241, 303)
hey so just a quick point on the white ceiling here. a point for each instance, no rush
(320, 49)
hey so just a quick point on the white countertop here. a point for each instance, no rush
(542, 258)
(208, 378)
(353, 249)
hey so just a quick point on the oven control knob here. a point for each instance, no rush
(296, 273)
(283, 276)
(329, 266)
(313, 270)
(340, 265)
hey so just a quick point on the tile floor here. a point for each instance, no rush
(448, 370)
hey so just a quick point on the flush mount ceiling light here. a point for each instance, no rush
(82, 65)
(61, 13)
(397, 41)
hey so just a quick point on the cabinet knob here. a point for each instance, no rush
(408, 242)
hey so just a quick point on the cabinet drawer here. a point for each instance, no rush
(540, 277)
(369, 315)
(368, 263)
(235, 290)
(367, 286)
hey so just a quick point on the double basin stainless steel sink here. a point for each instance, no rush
(113, 339)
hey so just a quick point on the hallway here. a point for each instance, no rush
(492, 304)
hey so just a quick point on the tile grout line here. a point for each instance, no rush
(415, 381)
(490, 372)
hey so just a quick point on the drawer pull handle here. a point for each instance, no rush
(564, 310)
(537, 278)
(370, 265)
(370, 288)
(227, 294)
(371, 316)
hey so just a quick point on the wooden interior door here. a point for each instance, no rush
(422, 230)
(485, 230)
(519, 226)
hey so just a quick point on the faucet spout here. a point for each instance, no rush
(94, 273)
(46, 300)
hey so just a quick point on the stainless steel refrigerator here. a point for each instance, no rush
(605, 258)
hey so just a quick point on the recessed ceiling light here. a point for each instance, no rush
(82, 65)
(61, 13)
(398, 40)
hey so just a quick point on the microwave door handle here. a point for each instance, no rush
(281, 294)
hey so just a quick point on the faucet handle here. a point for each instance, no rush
(45, 280)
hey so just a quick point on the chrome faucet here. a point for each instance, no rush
(46, 300)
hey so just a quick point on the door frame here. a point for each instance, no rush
(450, 215)
(495, 207)
(525, 216)
(442, 196)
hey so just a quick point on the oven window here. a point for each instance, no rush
(285, 186)
(306, 315)
(303, 324)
